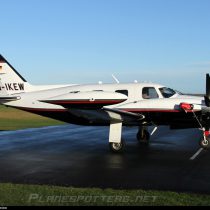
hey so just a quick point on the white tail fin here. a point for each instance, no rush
(11, 82)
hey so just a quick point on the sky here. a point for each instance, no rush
(85, 41)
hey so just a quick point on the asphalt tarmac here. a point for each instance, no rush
(79, 156)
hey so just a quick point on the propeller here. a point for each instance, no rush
(207, 96)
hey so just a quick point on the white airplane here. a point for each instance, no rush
(114, 105)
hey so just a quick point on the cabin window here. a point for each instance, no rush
(125, 92)
(149, 93)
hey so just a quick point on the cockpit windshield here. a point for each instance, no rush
(167, 92)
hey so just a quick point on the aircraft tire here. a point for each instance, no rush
(117, 147)
(143, 139)
(205, 144)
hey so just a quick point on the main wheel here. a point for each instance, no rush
(205, 143)
(117, 147)
(143, 137)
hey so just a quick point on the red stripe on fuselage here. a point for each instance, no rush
(157, 110)
(87, 102)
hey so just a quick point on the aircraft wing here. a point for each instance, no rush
(120, 115)
(93, 105)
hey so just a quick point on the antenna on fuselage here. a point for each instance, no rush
(116, 80)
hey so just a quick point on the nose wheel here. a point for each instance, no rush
(205, 143)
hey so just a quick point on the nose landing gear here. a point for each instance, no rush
(205, 141)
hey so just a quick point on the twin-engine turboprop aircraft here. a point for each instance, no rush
(114, 105)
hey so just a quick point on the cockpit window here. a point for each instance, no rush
(167, 92)
(149, 93)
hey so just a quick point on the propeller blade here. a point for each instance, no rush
(208, 85)
(207, 96)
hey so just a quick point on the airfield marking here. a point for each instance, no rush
(196, 154)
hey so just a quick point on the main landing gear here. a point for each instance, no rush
(116, 144)
(143, 136)
(117, 147)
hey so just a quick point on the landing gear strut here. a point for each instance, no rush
(205, 141)
(143, 136)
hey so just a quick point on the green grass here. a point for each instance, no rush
(13, 119)
(32, 195)
(19, 195)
